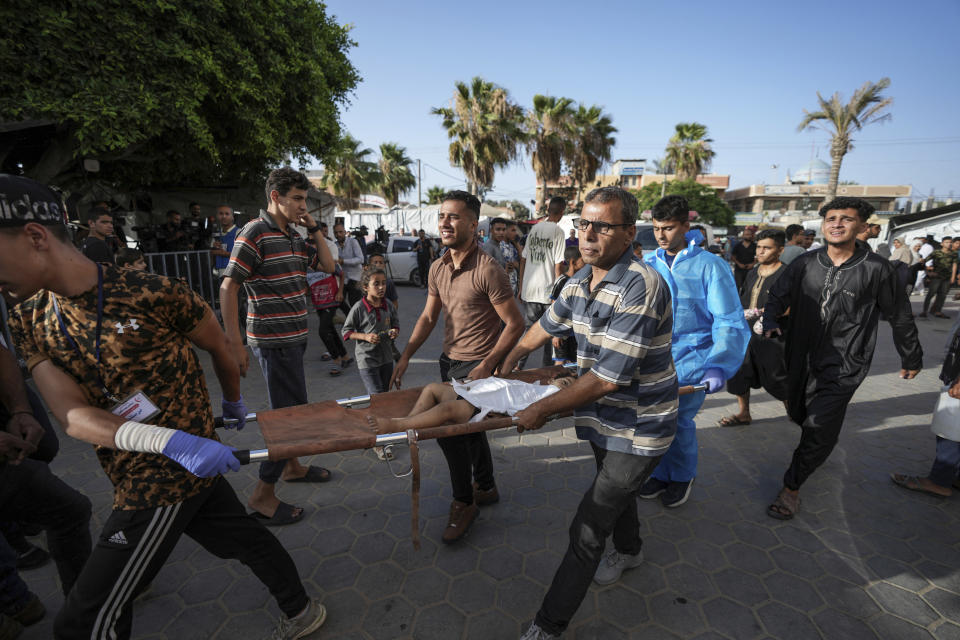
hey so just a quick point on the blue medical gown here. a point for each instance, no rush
(709, 332)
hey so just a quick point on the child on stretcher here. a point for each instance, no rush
(471, 401)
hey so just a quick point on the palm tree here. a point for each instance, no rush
(348, 172)
(661, 166)
(549, 139)
(434, 194)
(593, 143)
(689, 150)
(396, 178)
(486, 129)
(840, 120)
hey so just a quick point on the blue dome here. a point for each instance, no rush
(820, 173)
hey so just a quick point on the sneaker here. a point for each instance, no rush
(32, 558)
(28, 613)
(485, 497)
(536, 633)
(676, 494)
(652, 488)
(9, 628)
(615, 563)
(462, 516)
(302, 625)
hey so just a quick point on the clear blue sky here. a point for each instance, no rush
(745, 69)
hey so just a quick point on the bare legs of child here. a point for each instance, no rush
(438, 404)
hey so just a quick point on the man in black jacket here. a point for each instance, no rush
(835, 296)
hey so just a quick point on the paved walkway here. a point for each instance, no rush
(863, 559)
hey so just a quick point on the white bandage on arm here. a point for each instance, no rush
(145, 438)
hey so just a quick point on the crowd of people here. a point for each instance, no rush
(111, 349)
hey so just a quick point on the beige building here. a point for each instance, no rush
(629, 177)
(806, 199)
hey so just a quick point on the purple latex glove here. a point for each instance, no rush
(714, 380)
(235, 409)
(202, 457)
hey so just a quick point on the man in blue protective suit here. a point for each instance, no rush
(710, 336)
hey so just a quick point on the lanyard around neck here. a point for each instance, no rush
(73, 343)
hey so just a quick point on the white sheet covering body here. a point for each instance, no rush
(501, 396)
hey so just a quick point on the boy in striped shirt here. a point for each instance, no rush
(270, 260)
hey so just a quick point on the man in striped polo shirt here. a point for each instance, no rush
(624, 401)
(269, 260)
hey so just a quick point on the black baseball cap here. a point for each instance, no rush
(23, 200)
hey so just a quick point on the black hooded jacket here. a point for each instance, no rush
(834, 313)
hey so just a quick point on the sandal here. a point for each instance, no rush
(785, 506)
(334, 371)
(939, 314)
(732, 421)
(284, 515)
(314, 474)
(913, 484)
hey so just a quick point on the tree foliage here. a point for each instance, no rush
(520, 210)
(348, 172)
(434, 194)
(702, 199)
(161, 92)
(593, 143)
(396, 178)
(689, 150)
(549, 138)
(485, 128)
(841, 120)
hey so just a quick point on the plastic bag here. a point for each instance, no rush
(946, 417)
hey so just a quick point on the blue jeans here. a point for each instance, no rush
(286, 387)
(947, 463)
(377, 379)
(608, 506)
(679, 464)
(30, 493)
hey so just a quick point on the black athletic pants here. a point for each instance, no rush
(328, 333)
(134, 545)
(468, 456)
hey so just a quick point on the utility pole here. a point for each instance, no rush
(419, 195)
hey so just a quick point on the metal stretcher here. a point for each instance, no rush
(335, 425)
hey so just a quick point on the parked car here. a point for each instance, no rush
(402, 259)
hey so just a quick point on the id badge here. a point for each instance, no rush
(137, 407)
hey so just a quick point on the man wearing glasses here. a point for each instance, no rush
(624, 400)
(710, 336)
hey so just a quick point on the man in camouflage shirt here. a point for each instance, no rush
(941, 272)
(111, 351)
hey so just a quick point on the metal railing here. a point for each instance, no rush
(193, 267)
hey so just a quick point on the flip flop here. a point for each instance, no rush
(781, 510)
(284, 515)
(314, 474)
(913, 484)
(939, 314)
(335, 371)
(732, 421)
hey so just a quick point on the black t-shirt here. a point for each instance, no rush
(97, 250)
(744, 255)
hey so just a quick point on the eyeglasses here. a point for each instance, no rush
(602, 228)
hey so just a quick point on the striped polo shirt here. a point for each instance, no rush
(272, 265)
(623, 330)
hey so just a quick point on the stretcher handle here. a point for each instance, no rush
(220, 422)
(692, 388)
(347, 402)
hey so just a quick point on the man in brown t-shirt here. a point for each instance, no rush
(111, 351)
(482, 324)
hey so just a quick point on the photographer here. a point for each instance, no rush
(351, 260)
(172, 236)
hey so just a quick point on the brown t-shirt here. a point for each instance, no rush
(143, 346)
(468, 294)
